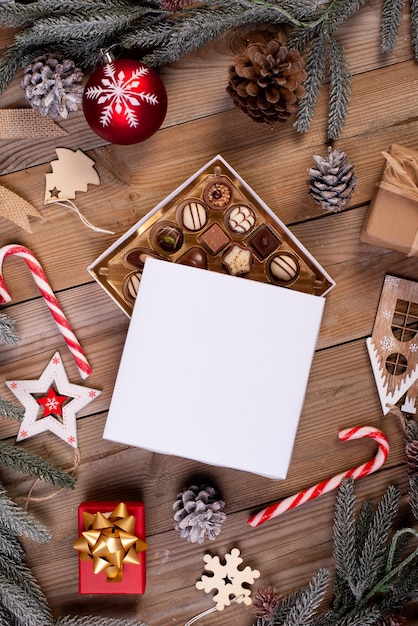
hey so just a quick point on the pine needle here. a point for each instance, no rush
(28, 463)
(18, 521)
(8, 334)
(344, 538)
(414, 25)
(372, 557)
(10, 546)
(339, 89)
(10, 410)
(25, 608)
(391, 18)
(96, 621)
(315, 69)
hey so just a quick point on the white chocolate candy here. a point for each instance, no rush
(238, 260)
(284, 267)
(194, 215)
(241, 219)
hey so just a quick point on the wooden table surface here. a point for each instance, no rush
(201, 122)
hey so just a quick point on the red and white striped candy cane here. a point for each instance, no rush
(50, 299)
(359, 432)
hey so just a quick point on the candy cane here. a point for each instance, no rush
(371, 466)
(50, 299)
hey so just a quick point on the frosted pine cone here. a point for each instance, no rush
(52, 85)
(198, 513)
(265, 81)
(333, 181)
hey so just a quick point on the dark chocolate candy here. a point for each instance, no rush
(263, 241)
(195, 257)
(137, 257)
(169, 238)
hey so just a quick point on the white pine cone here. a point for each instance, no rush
(198, 513)
(331, 184)
(52, 85)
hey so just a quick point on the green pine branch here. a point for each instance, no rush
(10, 410)
(8, 334)
(26, 462)
(24, 607)
(315, 66)
(18, 521)
(391, 18)
(21, 576)
(10, 546)
(91, 620)
(339, 88)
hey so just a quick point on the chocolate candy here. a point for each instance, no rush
(241, 219)
(263, 242)
(214, 239)
(237, 260)
(193, 215)
(195, 257)
(168, 238)
(284, 267)
(130, 286)
(218, 194)
(137, 257)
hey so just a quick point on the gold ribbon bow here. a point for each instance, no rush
(401, 177)
(109, 541)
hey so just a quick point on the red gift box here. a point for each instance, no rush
(133, 576)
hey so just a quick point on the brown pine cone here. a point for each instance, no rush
(332, 182)
(265, 81)
(411, 455)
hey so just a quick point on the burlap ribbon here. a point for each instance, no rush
(109, 541)
(401, 178)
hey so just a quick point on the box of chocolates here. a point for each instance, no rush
(214, 221)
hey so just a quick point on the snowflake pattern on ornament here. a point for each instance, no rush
(392, 281)
(387, 343)
(118, 93)
(413, 347)
(387, 314)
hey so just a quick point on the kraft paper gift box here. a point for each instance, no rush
(133, 576)
(215, 368)
(392, 218)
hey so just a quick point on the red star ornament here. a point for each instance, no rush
(52, 403)
(53, 377)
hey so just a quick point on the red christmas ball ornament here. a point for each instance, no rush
(124, 101)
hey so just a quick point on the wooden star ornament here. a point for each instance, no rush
(51, 402)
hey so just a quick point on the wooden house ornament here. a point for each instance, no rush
(393, 346)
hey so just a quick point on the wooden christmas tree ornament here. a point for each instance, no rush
(393, 346)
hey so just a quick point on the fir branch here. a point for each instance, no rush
(315, 69)
(391, 18)
(339, 89)
(10, 410)
(341, 11)
(18, 521)
(414, 25)
(28, 463)
(10, 545)
(344, 539)
(413, 494)
(6, 618)
(96, 621)
(372, 559)
(25, 608)
(309, 600)
(8, 334)
(19, 574)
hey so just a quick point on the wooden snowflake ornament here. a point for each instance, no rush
(393, 346)
(227, 579)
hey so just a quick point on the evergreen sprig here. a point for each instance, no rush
(376, 569)
(10, 410)
(20, 522)
(8, 334)
(26, 462)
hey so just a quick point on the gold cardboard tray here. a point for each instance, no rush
(215, 222)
